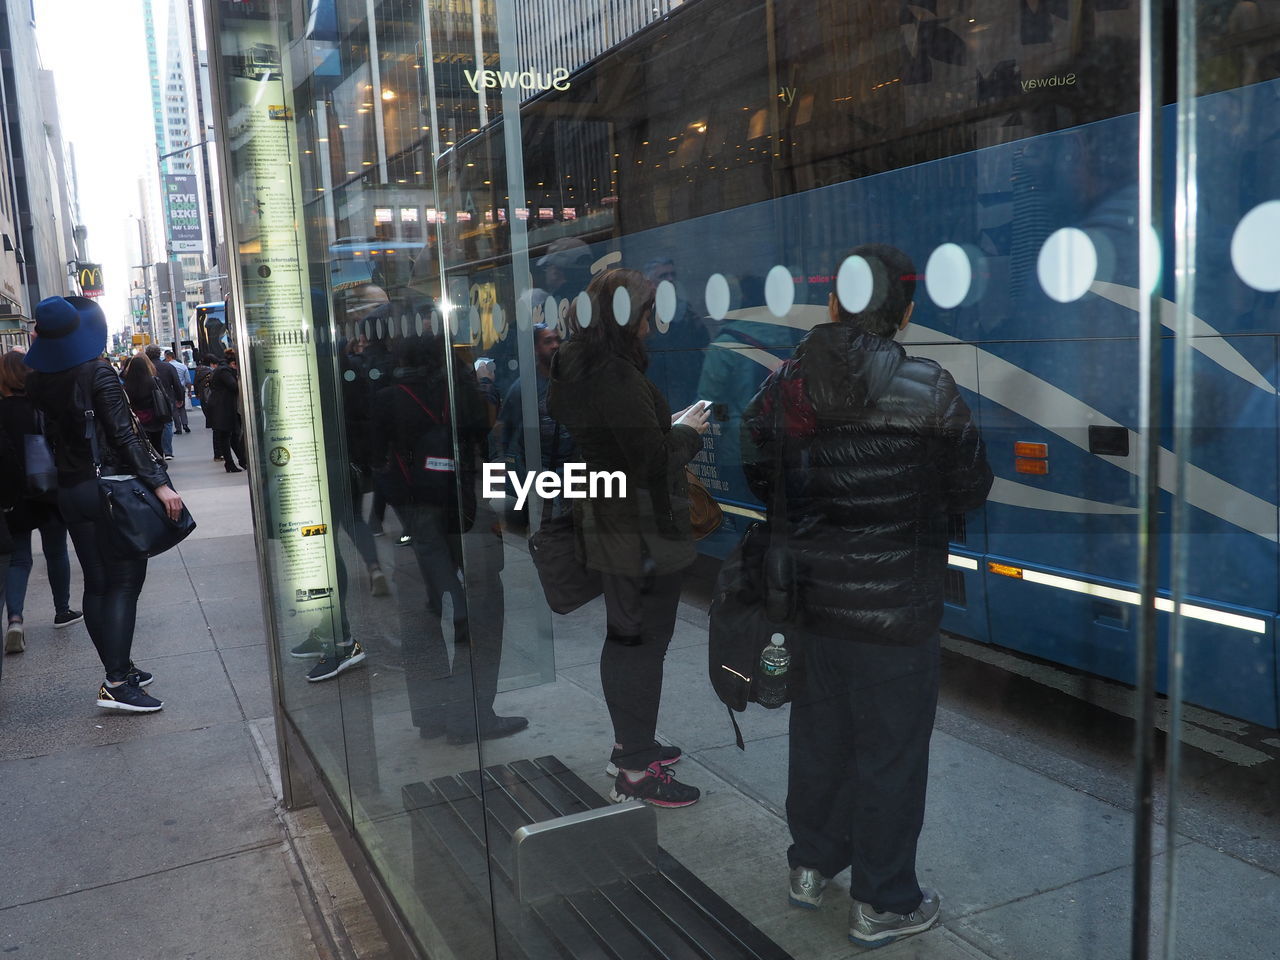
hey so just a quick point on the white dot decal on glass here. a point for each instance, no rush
(948, 276)
(1149, 264)
(1068, 264)
(513, 364)
(453, 321)
(380, 328)
(1253, 247)
(375, 374)
(523, 314)
(473, 320)
(854, 284)
(582, 306)
(499, 321)
(417, 320)
(664, 306)
(435, 321)
(349, 376)
(551, 312)
(406, 326)
(717, 296)
(779, 291)
(622, 306)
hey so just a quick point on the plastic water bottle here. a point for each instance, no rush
(771, 678)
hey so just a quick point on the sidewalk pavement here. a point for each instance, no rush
(154, 837)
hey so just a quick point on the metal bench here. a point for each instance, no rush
(573, 875)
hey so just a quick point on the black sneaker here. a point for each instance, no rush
(137, 676)
(128, 698)
(342, 657)
(310, 648)
(666, 756)
(67, 617)
(655, 786)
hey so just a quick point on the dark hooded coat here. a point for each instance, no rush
(621, 422)
(878, 449)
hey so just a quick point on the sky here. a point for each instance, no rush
(97, 51)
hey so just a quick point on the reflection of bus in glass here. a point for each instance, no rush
(213, 328)
(1003, 187)
(356, 261)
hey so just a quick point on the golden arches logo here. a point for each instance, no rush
(90, 278)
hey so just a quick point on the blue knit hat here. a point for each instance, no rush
(69, 332)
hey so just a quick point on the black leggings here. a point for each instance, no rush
(640, 624)
(111, 583)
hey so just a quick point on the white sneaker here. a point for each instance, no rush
(15, 638)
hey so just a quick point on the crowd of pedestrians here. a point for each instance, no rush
(63, 401)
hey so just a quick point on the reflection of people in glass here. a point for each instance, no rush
(676, 343)
(878, 449)
(435, 496)
(556, 445)
(639, 542)
(224, 413)
(566, 268)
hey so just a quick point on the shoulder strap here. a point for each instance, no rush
(85, 399)
(415, 399)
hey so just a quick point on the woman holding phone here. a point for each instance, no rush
(640, 542)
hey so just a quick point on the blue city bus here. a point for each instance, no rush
(1020, 214)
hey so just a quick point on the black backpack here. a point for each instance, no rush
(756, 596)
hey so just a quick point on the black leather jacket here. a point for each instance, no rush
(64, 398)
(879, 448)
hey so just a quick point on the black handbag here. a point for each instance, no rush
(133, 523)
(755, 597)
(41, 473)
(567, 583)
(161, 401)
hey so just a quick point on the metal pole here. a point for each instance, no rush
(205, 138)
(1150, 182)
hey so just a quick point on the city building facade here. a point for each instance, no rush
(1071, 209)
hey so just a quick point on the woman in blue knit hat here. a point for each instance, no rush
(69, 379)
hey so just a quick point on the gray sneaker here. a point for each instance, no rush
(870, 928)
(807, 885)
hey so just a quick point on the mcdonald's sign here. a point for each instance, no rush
(90, 277)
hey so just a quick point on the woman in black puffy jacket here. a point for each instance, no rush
(81, 397)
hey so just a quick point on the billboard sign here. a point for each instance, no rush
(182, 201)
(89, 276)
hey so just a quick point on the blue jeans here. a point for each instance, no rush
(166, 438)
(53, 540)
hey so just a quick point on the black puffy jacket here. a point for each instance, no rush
(121, 445)
(879, 449)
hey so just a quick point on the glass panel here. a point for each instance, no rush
(1221, 672)
(336, 90)
(273, 334)
(738, 158)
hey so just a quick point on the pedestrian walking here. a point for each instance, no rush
(201, 387)
(878, 448)
(78, 392)
(24, 515)
(640, 542)
(224, 413)
(140, 387)
(169, 381)
(180, 422)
